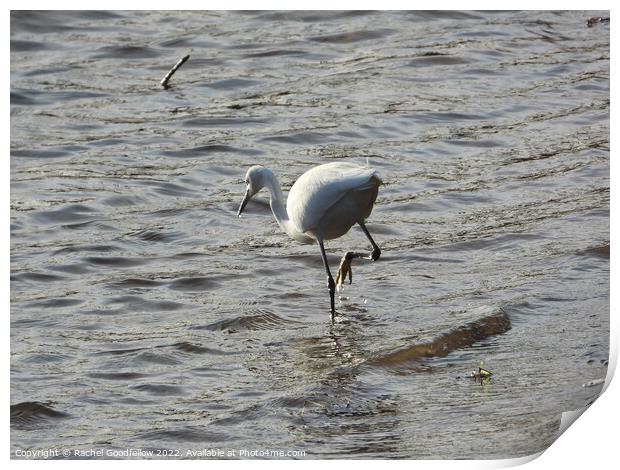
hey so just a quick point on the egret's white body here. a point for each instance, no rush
(326, 201)
(323, 204)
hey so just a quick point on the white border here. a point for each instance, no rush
(590, 443)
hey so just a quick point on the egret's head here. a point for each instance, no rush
(254, 179)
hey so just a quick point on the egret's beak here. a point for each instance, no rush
(246, 198)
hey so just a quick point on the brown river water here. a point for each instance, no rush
(145, 315)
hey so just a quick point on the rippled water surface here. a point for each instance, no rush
(146, 315)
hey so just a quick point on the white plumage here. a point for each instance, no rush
(327, 200)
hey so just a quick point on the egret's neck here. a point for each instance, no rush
(276, 201)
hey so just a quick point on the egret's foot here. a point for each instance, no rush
(345, 268)
(376, 253)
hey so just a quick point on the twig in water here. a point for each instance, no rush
(164, 81)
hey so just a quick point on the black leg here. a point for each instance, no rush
(376, 251)
(331, 285)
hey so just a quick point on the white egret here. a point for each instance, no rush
(323, 204)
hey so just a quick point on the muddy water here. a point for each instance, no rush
(146, 315)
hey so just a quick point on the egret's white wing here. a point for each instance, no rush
(317, 190)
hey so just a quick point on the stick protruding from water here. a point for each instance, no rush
(166, 79)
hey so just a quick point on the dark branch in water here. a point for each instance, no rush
(164, 81)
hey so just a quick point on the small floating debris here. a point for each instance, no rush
(597, 19)
(481, 374)
(594, 382)
(168, 76)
